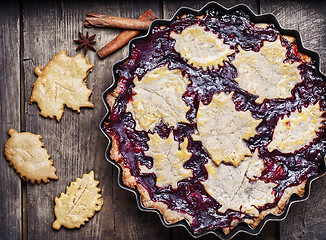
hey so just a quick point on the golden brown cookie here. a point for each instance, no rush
(79, 203)
(27, 156)
(62, 82)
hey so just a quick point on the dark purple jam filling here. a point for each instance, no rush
(190, 197)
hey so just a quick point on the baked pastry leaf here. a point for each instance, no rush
(201, 48)
(158, 97)
(168, 160)
(267, 73)
(222, 130)
(27, 156)
(62, 82)
(80, 202)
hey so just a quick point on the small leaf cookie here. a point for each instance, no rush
(80, 202)
(62, 82)
(26, 154)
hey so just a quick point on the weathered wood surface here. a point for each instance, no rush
(306, 220)
(10, 184)
(76, 144)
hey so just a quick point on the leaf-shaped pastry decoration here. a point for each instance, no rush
(158, 97)
(221, 129)
(61, 83)
(80, 202)
(297, 130)
(26, 154)
(201, 48)
(168, 160)
(274, 77)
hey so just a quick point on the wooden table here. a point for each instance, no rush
(32, 32)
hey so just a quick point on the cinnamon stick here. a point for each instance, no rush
(99, 20)
(124, 37)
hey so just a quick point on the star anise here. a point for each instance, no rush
(85, 42)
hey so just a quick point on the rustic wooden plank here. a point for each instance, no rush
(75, 144)
(306, 220)
(271, 229)
(10, 183)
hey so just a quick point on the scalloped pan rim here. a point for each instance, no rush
(264, 18)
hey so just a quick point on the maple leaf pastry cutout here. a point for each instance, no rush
(80, 202)
(27, 156)
(62, 82)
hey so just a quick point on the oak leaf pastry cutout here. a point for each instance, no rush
(62, 82)
(80, 202)
(27, 156)
(297, 130)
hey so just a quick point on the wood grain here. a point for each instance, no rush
(306, 220)
(76, 144)
(269, 232)
(10, 183)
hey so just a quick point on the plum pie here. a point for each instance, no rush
(217, 120)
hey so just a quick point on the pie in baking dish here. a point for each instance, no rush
(217, 120)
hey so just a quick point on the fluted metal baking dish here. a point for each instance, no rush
(265, 18)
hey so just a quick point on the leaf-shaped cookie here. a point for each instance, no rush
(80, 202)
(61, 83)
(26, 154)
